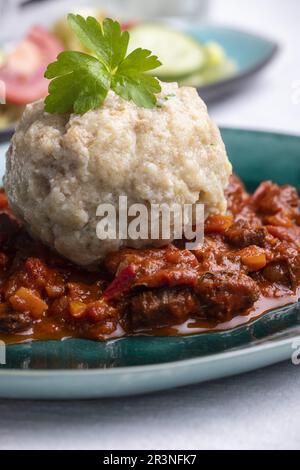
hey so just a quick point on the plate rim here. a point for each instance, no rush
(183, 363)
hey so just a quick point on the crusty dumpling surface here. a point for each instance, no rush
(61, 167)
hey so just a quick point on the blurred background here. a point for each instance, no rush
(242, 55)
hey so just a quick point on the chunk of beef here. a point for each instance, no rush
(285, 267)
(162, 307)
(270, 199)
(241, 234)
(279, 272)
(156, 267)
(224, 295)
(9, 226)
(236, 195)
(13, 322)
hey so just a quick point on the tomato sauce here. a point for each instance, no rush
(249, 264)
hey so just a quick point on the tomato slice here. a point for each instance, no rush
(128, 25)
(24, 68)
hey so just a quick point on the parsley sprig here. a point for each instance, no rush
(80, 82)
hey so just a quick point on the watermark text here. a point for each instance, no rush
(151, 222)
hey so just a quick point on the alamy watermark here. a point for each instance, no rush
(151, 222)
(296, 352)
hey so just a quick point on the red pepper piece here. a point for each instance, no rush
(122, 282)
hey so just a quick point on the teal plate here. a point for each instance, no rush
(251, 53)
(76, 368)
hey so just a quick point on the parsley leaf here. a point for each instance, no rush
(80, 82)
(140, 60)
(131, 83)
(107, 42)
(138, 88)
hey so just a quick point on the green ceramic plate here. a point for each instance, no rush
(85, 369)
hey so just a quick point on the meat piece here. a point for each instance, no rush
(162, 307)
(9, 226)
(290, 235)
(168, 266)
(278, 272)
(241, 234)
(13, 322)
(285, 266)
(270, 199)
(93, 320)
(236, 195)
(214, 256)
(100, 319)
(224, 295)
(294, 270)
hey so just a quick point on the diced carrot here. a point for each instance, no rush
(77, 309)
(24, 300)
(218, 223)
(254, 262)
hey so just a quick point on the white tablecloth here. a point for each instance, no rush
(257, 410)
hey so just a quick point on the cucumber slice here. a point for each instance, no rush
(216, 54)
(180, 54)
(210, 74)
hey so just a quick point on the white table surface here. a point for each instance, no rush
(258, 410)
